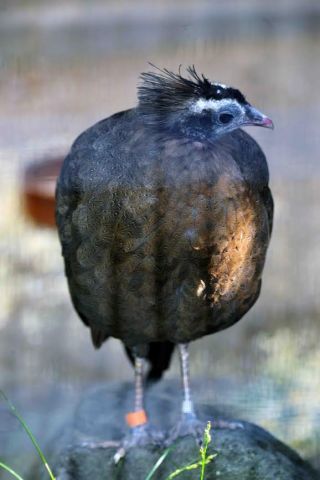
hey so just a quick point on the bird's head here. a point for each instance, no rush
(194, 107)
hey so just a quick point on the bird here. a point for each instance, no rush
(164, 214)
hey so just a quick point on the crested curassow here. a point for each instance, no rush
(164, 216)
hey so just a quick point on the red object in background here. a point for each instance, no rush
(39, 185)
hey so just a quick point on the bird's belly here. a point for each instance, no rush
(199, 271)
(216, 251)
(189, 267)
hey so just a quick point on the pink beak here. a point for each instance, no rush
(254, 117)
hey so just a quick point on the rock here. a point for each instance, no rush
(248, 453)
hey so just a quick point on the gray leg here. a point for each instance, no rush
(187, 403)
(140, 433)
(137, 420)
(188, 423)
(138, 375)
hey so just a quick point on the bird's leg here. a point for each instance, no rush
(138, 375)
(138, 417)
(188, 414)
(188, 423)
(187, 409)
(141, 433)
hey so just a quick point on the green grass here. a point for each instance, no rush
(200, 464)
(8, 469)
(159, 462)
(22, 422)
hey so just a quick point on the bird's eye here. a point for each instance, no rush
(225, 118)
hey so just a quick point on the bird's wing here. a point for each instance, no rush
(106, 220)
(82, 201)
(72, 222)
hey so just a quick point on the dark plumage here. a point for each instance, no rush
(163, 92)
(159, 355)
(165, 215)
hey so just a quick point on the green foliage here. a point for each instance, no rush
(8, 469)
(201, 463)
(204, 459)
(158, 463)
(32, 438)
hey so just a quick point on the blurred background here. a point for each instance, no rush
(66, 65)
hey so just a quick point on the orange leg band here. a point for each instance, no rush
(134, 419)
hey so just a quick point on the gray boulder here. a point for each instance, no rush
(248, 453)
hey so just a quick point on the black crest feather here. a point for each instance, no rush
(163, 91)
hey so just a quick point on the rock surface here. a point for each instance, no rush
(248, 453)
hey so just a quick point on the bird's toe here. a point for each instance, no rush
(140, 436)
(189, 424)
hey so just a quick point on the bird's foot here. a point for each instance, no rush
(139, 436)
(189, 424)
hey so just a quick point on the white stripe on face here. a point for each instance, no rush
(203, 104)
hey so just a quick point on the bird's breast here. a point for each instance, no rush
(220, 228)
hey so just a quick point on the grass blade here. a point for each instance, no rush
(186, 468)
(8, 469)
(29, 433)
(158, 463)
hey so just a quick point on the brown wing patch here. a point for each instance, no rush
(233, 266)
(229, 231)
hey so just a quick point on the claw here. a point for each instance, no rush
(120, 453)
(188, 425)
(140, 436)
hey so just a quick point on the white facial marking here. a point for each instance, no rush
(203, 104)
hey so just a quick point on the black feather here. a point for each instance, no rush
(164, 91)
(159, 357)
